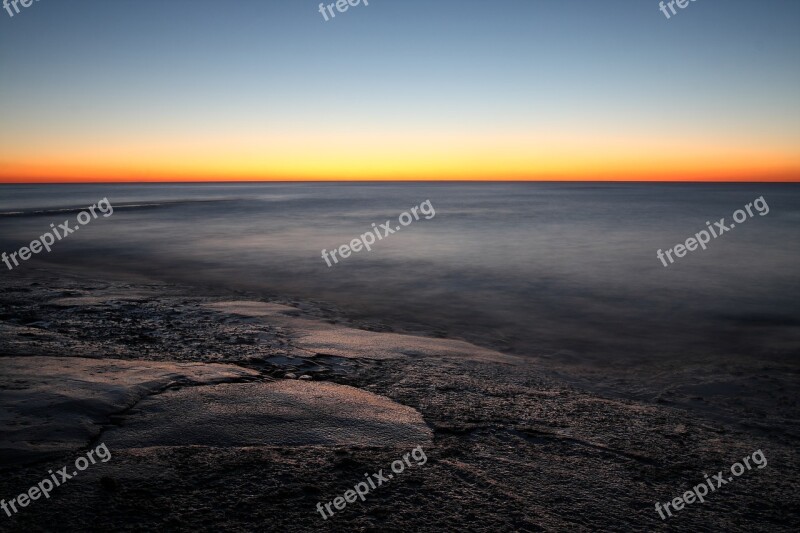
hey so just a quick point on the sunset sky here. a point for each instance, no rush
(124, 90)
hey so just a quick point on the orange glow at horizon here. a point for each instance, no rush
(401, 156)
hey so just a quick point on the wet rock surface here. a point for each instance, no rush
(50, 405)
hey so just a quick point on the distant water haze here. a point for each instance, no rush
(543, 269)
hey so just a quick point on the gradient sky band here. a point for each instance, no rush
(549, 91)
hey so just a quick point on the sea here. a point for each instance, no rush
(560, 271)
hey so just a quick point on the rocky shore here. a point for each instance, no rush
(226, 412)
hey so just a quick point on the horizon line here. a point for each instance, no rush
(469, 180)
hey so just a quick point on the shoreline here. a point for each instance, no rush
(735, 390)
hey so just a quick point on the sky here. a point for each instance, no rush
(193, 90)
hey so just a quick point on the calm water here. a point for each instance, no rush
(565, 269)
